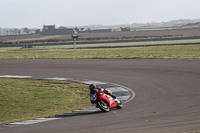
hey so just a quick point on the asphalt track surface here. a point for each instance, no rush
(167, 96)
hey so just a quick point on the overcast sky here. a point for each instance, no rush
(35, 13)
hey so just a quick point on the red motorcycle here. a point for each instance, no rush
(104, 101)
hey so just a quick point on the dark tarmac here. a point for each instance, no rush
(167, 96)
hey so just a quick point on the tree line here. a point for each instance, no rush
(16, 31)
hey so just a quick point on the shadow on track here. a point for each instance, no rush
(73, 114)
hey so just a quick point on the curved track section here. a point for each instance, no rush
(167, 94)
(123, 93)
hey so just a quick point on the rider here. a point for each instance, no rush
(93, 88)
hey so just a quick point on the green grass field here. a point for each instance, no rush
(25, 99)
(154, 52)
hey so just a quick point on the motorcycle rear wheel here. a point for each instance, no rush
(104, 107)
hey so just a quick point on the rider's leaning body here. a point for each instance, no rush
(93, 88)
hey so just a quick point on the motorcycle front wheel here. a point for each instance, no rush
(119, 104)
(103, 105)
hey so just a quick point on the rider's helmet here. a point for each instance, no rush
(92, 86)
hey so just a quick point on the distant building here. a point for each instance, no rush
(52, 30)
(38, 31)
(49, 27)
(77, 29)
(125, 29)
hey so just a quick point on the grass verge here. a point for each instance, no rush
(99, 44)
(154, 52)
(24, 99)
